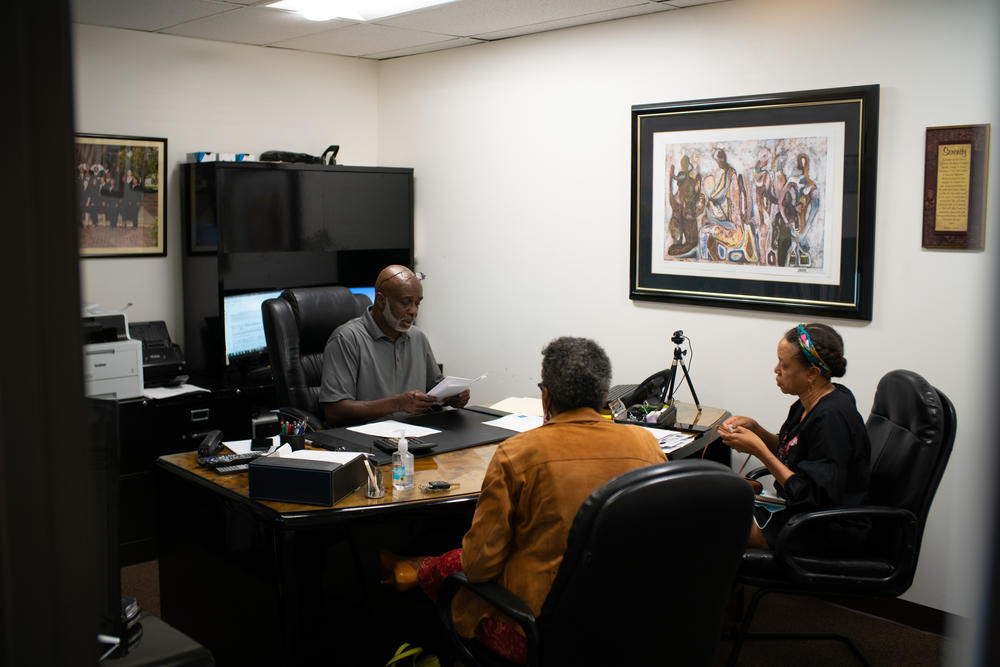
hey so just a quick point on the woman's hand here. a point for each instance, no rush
(744, 427)
(741, 438)
(739, 421)
(745, 435)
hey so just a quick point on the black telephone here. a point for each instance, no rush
(653, 387)
(211, 444)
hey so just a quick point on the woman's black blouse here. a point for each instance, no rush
(829, 453)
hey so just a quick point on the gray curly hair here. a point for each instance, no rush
(577, 373)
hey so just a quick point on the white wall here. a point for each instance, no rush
(204, 95)
(522, 157)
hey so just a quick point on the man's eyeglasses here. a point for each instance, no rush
(416, 274)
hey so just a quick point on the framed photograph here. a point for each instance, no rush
(121, 186)
(761, 202)
(956, 176)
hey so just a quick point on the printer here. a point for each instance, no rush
(112, 362)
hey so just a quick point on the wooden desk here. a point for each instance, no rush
(467, 467)
(282, 583)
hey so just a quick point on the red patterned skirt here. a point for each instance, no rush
(493, 633)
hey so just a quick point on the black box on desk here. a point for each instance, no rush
(308, 481)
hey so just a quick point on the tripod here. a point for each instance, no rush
(667, 394)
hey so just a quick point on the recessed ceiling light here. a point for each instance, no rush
(353, 10)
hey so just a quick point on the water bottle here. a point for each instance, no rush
(402, 466)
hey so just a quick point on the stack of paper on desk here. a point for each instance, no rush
(244, 446)
(670, 441)
(520, 405)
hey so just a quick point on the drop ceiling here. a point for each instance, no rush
(448, 26)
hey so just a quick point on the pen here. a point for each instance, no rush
(371, 475)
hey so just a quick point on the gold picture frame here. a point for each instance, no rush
(121, 186)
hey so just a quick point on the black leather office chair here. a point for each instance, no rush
(648, 569)
(297, 325)
(912, 430)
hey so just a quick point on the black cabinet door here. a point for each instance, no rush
(149, 429)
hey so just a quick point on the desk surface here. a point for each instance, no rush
(467, 467)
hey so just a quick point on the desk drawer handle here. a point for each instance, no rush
(199, 415)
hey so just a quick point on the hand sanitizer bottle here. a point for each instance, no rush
(402, 466)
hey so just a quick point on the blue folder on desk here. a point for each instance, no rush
(459, 429)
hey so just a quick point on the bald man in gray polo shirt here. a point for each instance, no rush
(380, 364)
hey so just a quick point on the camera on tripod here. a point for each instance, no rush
(655, 395)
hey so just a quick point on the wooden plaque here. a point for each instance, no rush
(956, 175)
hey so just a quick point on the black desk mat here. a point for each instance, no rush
(459, 429)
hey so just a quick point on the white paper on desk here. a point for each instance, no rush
(245, 446)
(316, 455)
(519, 422)
(670, 440)
(390, 428)
(167, 392)
(452, 385)
(524, 405)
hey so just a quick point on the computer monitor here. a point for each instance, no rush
(243, 325)
(367, 291)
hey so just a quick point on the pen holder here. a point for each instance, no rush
(296, 442)
(376, 490)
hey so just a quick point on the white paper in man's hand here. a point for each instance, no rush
(451, 386)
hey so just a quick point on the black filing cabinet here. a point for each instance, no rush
(151, 428)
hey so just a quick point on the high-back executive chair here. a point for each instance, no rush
(297, 325)
(647, 572)
(912, 430)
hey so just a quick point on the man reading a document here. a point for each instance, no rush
(380, 363)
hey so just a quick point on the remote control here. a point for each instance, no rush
(228, 470)
(226, 459)
(414, 445)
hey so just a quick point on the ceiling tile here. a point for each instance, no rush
(572, 21)
(680, 4)
(424, 48)
(145, 15)
(253, 25)
(362, 38)
(475, 17)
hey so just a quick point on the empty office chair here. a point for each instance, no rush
(297, 325)
(912, 430)
(648, 569)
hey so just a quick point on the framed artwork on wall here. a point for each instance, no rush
(121, 186)
(760, 202)
(956, 179)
